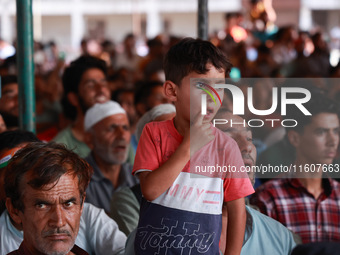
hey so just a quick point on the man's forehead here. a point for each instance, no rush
(10, 86)
(115, 119)
(324, 120)
(66, 185)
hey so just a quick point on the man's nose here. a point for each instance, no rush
(57, 217)
(333, 139)
(101, 86)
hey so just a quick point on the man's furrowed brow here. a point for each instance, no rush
(71, 199)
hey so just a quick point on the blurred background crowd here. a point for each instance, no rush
(251, 37)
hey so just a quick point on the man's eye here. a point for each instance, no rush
(89, 84)
(69, 204)
(40, 206)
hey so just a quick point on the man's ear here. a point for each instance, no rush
(82, 204)
(294, 138)
(13, 212)
(170, 90)
(73, 99)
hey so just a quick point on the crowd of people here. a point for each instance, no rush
(113, 167)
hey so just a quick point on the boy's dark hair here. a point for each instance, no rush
(46, 163)
(319, 103)
(72, 76)
(12, 138)
(192, 55)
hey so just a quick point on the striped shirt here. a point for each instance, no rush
(289, 202)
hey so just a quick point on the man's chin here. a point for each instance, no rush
(57, 247)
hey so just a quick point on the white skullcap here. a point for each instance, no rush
(100, 111)
(151, 115)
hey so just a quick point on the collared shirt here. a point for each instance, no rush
(24, 251)
(100, 189)
(289, 202)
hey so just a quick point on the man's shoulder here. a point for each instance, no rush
(64, 135)
(273, 186)
(276, 236)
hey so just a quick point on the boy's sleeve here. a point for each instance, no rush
(146, 155)
(237, 184)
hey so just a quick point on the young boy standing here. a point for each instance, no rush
(181, 208)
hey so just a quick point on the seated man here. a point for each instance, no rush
(308, 202)
(108, 134)
(124, 206)
(85, 84)
(98, 234)
(45, 190)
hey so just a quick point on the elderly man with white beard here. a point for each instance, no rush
(108, 136)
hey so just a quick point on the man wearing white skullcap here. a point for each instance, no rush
(108, 136)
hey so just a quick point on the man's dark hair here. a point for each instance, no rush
(72, 76)
(144, 90)
(12, 138)
(117, 93)
(8, 79)
(319, 103)
(44, 164)
(11, 121)
(192, 55)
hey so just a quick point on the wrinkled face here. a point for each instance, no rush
(51, 216)
(191, 89)
(9, 99)
(93, 88)
(243, 136)
(111, 139)
(319, 140)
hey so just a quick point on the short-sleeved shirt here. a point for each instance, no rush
(289, 202)
(187, 217)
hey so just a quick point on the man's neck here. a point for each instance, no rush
(109, 171)
(78, 128)
(310, 177)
